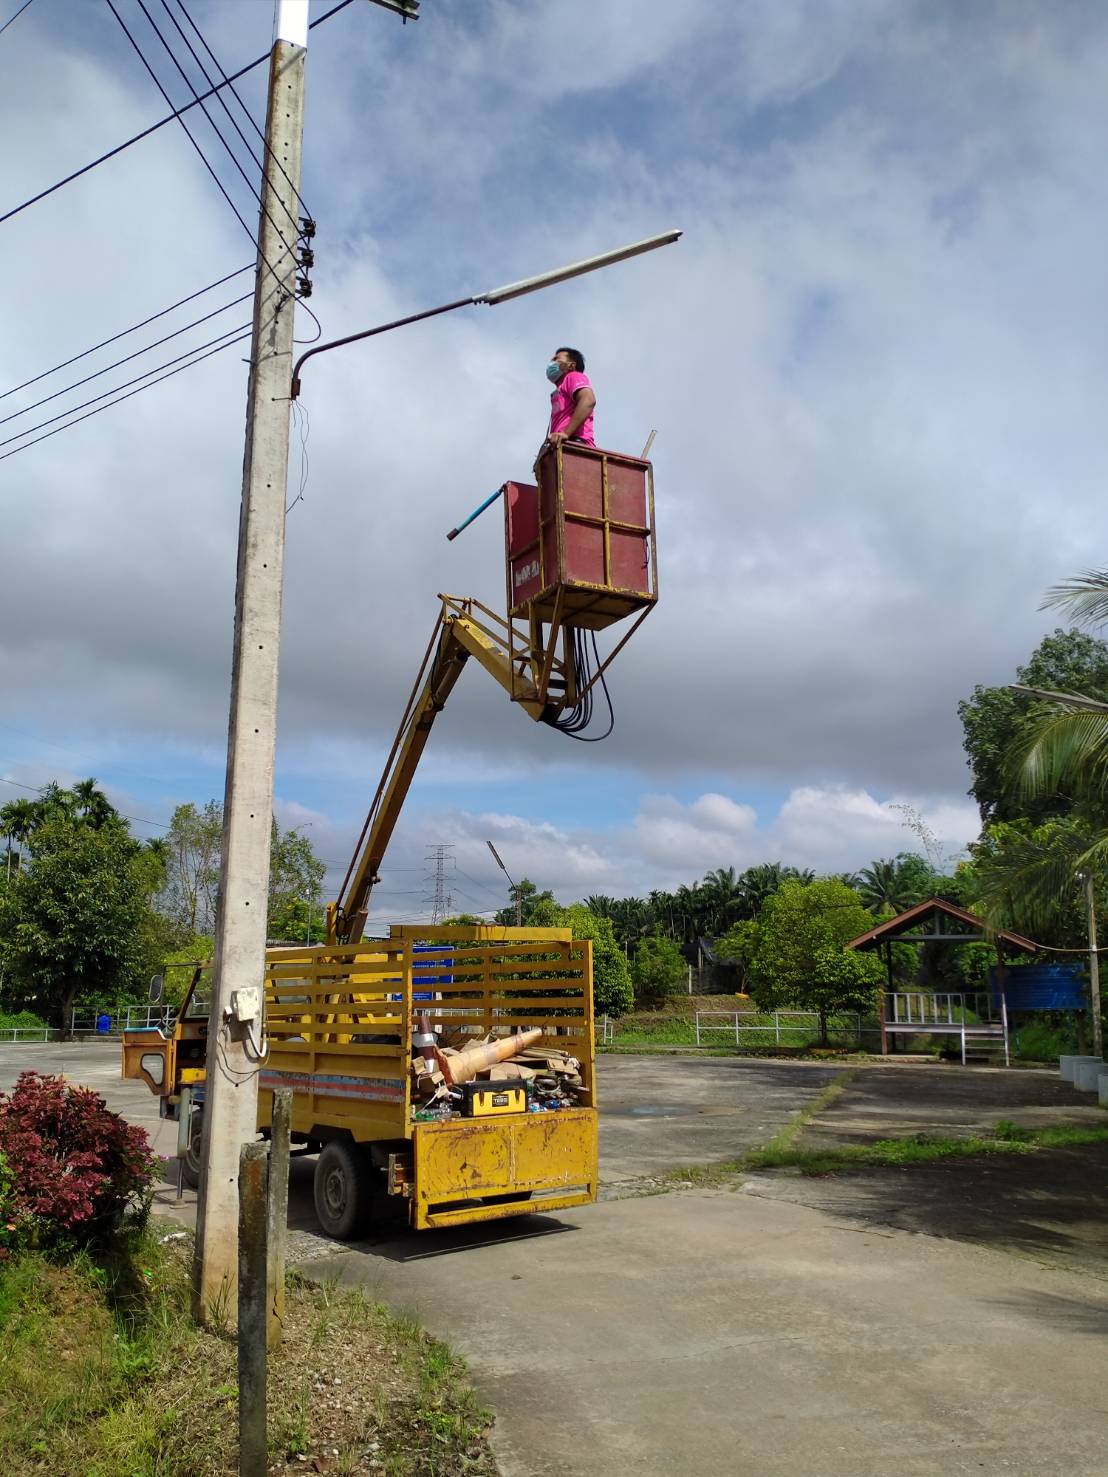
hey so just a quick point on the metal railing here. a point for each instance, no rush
(779, 1027)
(29, 1033)
(970, 1017)
(920, 1007)
(605, 1031)
(85, 1022)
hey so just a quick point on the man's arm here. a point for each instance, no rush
(584, 403)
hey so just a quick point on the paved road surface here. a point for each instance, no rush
(723, 1333)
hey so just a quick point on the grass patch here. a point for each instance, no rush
(784, 1151)
(102, 1374)
(919, 1148)
(788, 1135)
(705, 1176)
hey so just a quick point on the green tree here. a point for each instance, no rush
(895, 885)
(761, 882)
(995, 720)
(530, 898)
(190, 891)
(612, 991)
(292, 920)
(737, 947)
(658, 970)
(799, 959)
(1029, 878)
(17, 821)
(193, 840)
(72, 921)
(295, 874)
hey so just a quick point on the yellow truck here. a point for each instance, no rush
(339, 1023)
(339, 1017)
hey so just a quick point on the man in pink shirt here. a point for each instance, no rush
(573, 401)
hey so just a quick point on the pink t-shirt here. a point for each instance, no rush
(561, 406)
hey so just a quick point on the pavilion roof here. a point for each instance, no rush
(904, 922)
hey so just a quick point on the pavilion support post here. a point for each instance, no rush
(885, 997)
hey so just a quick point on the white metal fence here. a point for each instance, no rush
(113, 1022)
(779, 1027)
(28, 1033)
(605, 1031)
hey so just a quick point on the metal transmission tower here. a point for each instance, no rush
(442, 901)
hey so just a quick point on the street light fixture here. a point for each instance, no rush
(498, 294)
(515, 889)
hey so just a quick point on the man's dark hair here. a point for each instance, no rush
(577, 357)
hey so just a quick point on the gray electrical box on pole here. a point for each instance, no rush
(236, 1026)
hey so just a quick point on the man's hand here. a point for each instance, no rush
(556, 438)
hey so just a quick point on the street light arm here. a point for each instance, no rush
(497, 295)
(353, 338)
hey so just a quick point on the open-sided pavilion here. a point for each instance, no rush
(917, 1013)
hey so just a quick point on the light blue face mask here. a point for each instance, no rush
(554, 371)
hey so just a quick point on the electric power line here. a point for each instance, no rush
(266, 150)
(125, 360)
(188, 132)
(103, 344)
(14, 17)
(125, 385)
(259, 194)
(154, 127)
(58, 429)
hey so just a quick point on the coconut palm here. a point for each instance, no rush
(1064, 749)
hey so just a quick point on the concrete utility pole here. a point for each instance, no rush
(1094, 967)
(236, 1024)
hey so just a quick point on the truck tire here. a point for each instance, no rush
(343, 1190)
(191, 1163)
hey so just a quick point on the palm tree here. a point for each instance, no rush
(599, 904)
(758, 883)
(663, 907)
(1030, 879)
(17, 819)
(888, 884)
(725, 897)
(91, 802)
(1065, 745)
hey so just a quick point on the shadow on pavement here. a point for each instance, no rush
(419, 1246)
(1070, 1315)
(1052, 1205)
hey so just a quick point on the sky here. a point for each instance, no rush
(874, 363)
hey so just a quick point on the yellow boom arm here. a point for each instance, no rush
(464, 628)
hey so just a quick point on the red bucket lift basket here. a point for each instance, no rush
(580, 545)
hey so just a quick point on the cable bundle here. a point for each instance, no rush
(573, 721)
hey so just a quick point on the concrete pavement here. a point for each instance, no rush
(718, 1333)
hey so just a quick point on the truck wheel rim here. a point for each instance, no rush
(334, 1192)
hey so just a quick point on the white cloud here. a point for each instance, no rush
(869, 363)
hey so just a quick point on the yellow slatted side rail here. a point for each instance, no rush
(360, 1000)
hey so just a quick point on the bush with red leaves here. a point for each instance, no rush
(74, 1165)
